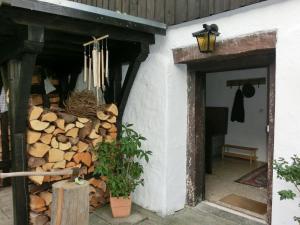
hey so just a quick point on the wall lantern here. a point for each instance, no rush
(206, 38)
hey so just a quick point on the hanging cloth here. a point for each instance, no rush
(238, 111)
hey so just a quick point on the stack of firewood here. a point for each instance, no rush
(57, 140)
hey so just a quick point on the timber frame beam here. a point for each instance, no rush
(19, 70)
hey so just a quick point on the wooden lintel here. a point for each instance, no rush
(129, 80)
(241, 82)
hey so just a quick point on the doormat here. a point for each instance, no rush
(256, 178)
(245, 203)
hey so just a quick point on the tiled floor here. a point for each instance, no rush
(222, 182)
(202, 214)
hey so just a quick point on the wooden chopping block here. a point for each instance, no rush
(70, 203)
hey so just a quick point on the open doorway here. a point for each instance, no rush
(236, 140)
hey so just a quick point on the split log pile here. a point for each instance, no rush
(57, 140)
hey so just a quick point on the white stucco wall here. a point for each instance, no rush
(158, 101)
(252, 132)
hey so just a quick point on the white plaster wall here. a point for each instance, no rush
(251, 133)
(158, 106)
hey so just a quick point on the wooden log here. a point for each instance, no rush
(106, 125)
(69, 126)
(34, 162)
(38, 149)
(69, 155)
(70, 164)
(60, 123)
(46, 138)
(48, 166)
(38, 219)
(82, 146)
(60, 165)
(102, 131)
(102, 116)
(58, 131)
(62, 138)
(113, 135)
(98, 183)
(37, 179)
(38, 125)
(79, 125)
(70, 204)
(96, 141)
(36, 99)
(86, 158)
(68, 118)
(74, 141)
(64, 146)
(36, 202)
(33, 136)
(93, 134)
(83, 120)
(49, 117)
(55, 155)
(35, 112)
(47, 196)
(73, 132)
(112, 119)
(113, 129)
(86, 130)
(50, 129)
(112, 109)
(54, 143)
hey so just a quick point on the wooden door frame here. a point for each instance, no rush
(259, 57)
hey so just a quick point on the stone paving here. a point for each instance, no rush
(202, 214)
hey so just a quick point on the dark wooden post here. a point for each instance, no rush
(20, 70)
(196, 139)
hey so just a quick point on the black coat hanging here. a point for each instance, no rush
(238, 111)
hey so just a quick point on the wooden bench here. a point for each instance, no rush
(251, 156)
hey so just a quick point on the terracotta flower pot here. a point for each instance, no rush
(120, 206)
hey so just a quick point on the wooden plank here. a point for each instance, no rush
(234, 4)
(142, 8)
(134, 7)
(159, 9)
(170, 12)
(119, 5)
(219, 6)
(181, 11)
(105, 4)
(151, 9)
(211, 7)
(204, 8)
(112, 5)
(100, 3)
(193, 9)
(126, 6)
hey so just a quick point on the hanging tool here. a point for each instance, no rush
(106, 65)
(85, 65)
(95, 63)
(102, 68)
(90, 70)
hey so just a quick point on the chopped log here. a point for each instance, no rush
(60, 123)
(102, 116)
(112, 109)
(74, 141)
(46, 138)
(60, 165)
(37, 179)
(36, 202)
(69, 126)
(38, 149)
(68, 118)
(34, 162)
(64, 146)
(82, 146)
(33, 136)
(73, 132)
(79, 125)
(50, 129)
(94, 156)
(54, 99)
(48, 166)
(62, 138)
(49, 117)
(94, 201)
(55, 178)
(70, 164)
(58, 131)
(102, 131)
(112, 119)
(36, 99)
(54, 143)
(98, 183)
(93, 134)
(91, 169)
(77, 158)
(47, 196)
(70, 204)
(36, 79)
(84, 132)
(34, 112)
(113, 135)
(106, 125)
(69, 155)
(40, 210)
(83, 120)
(86, 158)
(96, 141)
(38, 219)
(38, 125)
(113, 129)
(55, 155)
(97, 126)
(47, 179)
(108, 139)
(74, 148)
(83, 171)
(92, 189)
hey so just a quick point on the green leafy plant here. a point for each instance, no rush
(120, 161)
(290, 172)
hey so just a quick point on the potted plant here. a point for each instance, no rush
(120, 162)
(290, 172)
